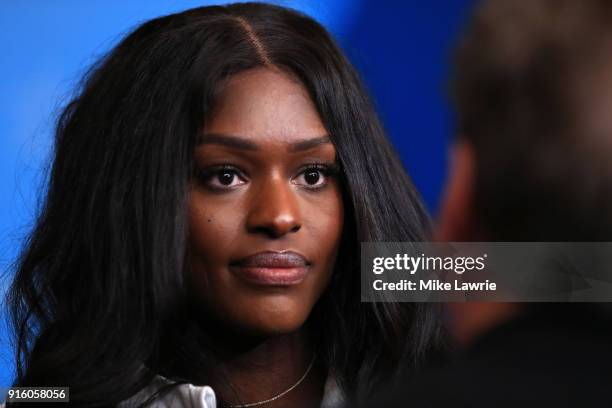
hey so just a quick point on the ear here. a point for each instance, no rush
(456, 220)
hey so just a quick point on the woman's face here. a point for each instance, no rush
(266, 210)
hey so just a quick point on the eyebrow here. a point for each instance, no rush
(243, 143)
(309, 143)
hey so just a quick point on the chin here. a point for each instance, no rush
(268, 320)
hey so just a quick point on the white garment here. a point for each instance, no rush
(194, 396)
(184, 395)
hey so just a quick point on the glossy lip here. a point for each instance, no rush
(272, 268)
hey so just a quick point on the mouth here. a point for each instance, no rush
(271, 268)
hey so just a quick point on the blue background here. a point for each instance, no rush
(402, 50)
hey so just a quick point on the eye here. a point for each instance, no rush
(222, 177)
(314, 176)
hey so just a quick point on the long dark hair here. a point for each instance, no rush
(98, 287)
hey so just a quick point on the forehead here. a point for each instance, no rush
(265, 105)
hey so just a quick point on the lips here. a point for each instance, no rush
(272, 268)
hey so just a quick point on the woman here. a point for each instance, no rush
(210, 187)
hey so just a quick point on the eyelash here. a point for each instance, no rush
(328, 171)
(206, 175)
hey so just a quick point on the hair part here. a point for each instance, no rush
(261, 51)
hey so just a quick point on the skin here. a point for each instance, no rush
(457, 223)
(264, 181)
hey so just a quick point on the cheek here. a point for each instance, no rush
(325, 219)
(213, 229)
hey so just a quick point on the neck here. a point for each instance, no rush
(253, 369)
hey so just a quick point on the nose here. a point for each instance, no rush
(274, 209)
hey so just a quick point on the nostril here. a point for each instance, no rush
(274, 230)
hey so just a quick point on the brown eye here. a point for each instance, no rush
(312, 177)
(222, 178)
(226, 177)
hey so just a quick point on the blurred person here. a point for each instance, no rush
(533, 94)
(197, 244)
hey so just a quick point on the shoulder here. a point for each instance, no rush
(183, 395)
